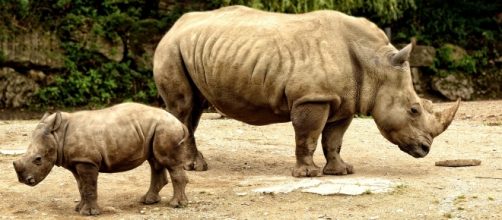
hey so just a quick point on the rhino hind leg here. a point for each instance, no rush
(308, 122)
(332, 136)
(179, 181)
(184, 101)
(158, 180)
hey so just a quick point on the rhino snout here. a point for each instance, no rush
(417, 151)
(22, 176)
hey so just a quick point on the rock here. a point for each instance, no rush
(34, 46)
(454, 86)
(422, 56)
(457, 53)
(421, 81)
(16, 89)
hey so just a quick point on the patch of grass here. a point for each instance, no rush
(367, 192)
(448, 215)
(491, 198)
(460, 208)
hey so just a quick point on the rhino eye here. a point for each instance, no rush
(38, 161)
(415, 110)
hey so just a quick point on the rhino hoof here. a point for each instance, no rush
(342, 169)
(150, 199)
(197, 164)
(177, 203)
(306, 171)
(89, 210)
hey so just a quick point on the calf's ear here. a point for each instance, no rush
(57, 121)
(45, 116)
(53, 123)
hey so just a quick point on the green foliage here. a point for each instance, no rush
(469, 24)
(380, 11)
(91, 77)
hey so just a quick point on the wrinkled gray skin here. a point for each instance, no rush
(114, 139)
(317, 70)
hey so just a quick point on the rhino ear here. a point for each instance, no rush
(402, 56)
(54, 123)
(46, 114)
(57, 121)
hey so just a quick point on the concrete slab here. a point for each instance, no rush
(331, 186)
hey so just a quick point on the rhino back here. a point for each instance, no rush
(246, 61)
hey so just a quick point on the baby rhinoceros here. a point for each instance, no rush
(109, 140)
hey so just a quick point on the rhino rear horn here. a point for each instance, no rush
(444, 118)
(402, 56)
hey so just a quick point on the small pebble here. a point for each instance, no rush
(241, 193)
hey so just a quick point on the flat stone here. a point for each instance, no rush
(332, 186)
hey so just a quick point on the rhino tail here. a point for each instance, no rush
(186, 134)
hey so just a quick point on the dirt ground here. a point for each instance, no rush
(243, 157)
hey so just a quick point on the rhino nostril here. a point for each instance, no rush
(30, 180)
(425, 148)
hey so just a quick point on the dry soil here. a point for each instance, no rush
(243, 157)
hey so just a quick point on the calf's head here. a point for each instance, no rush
(401, 116)
(41, 155)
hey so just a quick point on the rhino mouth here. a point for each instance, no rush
(28, 180)
(416, 150)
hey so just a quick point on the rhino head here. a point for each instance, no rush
(41, 155)
(401, 116)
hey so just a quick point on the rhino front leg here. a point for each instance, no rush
(158, 180)
(308, 122)
(88, 175)
(77, 178)
(332, 136)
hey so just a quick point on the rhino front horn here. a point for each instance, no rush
(444, 118)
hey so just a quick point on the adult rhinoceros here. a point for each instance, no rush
(317, 70)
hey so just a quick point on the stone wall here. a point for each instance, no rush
(27, 58)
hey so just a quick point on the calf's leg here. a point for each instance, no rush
(308, 122)
(179, 181)
(88, 175)
(158, 180)
(81, 203)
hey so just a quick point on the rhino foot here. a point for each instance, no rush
(306, 171)
(338, 169)
(89, 210)
(79, 206)
(149, 199)
(178, 203)
(197, 163)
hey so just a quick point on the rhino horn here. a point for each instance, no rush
(402, 56)
(444, 119)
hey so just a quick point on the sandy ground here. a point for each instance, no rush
(243, 157)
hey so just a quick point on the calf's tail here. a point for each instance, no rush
(186, 134)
